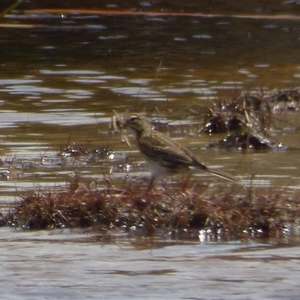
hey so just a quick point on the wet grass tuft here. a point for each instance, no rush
(235, 217)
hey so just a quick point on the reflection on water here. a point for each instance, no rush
(62, 76)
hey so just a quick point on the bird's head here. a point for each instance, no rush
(137, 124)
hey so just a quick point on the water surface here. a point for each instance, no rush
(74, 265)
(61, 77)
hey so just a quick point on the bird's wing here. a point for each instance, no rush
(169, 153)
(163, 149)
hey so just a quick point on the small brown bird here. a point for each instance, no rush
(163, 155)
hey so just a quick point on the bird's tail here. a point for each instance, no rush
(218, 173)
(223, 175)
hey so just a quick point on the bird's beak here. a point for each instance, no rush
(125, 137)
(117, 124)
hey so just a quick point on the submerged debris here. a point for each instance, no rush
(73, 150)
(246, 141)
(248, 119)
(281, 100)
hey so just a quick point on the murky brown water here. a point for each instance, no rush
(62, 75)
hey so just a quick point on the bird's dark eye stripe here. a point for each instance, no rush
(133, 118)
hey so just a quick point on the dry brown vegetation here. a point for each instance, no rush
(160, 211)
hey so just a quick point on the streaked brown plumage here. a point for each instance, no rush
(164, 156)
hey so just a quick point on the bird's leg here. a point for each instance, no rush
(150, 184)
(185, 183)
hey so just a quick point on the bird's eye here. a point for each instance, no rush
(133, 119)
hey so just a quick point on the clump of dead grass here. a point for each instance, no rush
(128, 209)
